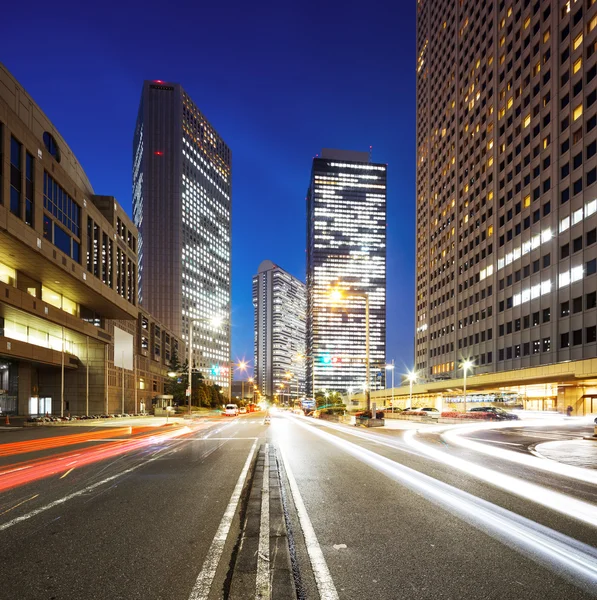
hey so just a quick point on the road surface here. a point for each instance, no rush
(236, 508)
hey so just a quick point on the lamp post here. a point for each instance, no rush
(391, 368)
(337, 294)
(251, 380)
(466, 365)
(412, 377)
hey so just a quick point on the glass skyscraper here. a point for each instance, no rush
(182, 208)
(346, 249)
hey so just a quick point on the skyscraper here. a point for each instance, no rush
(346, 249)
(181, 206)
(280, 309)
(506, 173)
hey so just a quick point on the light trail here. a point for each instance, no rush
(454, 436)
(46, 467)
(562, 503)
(60, 441)
(566, 556)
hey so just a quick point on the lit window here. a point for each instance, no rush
(592, 24)
(527, 120)
(527, 200)
(577, 65)
(577, 112)
(546, 35)
(7, 275)
(577, 41)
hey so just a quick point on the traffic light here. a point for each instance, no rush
(327, 359)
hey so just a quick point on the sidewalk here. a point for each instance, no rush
(17, 423)
(579, 453)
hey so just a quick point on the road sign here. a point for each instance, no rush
(188, 391)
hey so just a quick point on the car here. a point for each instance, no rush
(231, 410)
(497, 412)
(428, 410)
(242, 410)
(267, 420)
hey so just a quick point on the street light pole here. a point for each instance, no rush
(412, 376)
(190, 386)
(368, 392)
(464, 390)
(337, 294)
(466, 365)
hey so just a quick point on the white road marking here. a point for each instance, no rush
(323, 578)
(263, 587)
(205, 578)
(89, 488)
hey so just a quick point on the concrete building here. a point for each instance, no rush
(182, 209)
(280, 312)
(506, 271)
(67, 271)
(346, 250)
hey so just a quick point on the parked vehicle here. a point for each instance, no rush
(231, 410)
(496, 412)
(242, 410)
(428, 410)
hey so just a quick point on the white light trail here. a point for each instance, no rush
(453, 436)
(566, 556)
(566, 505)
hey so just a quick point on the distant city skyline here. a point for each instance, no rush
(275, 118)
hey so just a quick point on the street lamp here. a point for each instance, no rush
(242, 366)
(412, 377)
(465, 366)
(336, 295)
(391, 368)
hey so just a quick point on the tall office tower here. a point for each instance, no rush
(181, 206)
(346, 249)
(506, 172)
(280, 309)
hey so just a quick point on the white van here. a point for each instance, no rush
(231, 410)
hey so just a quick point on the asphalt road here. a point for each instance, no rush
(351, 513)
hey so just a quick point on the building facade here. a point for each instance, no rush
(506, 205)
(346, 250)
(280, 313)
(182, 209)
(67, 271)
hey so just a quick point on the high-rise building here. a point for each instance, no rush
(182, 208)
(346, 249)
(280, 309)
(506, 267)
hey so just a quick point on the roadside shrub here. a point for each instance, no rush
(473, 415)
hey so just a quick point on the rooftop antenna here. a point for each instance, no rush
(370, 153)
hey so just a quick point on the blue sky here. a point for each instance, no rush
(278, 80)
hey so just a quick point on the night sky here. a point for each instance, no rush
(278, 80)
